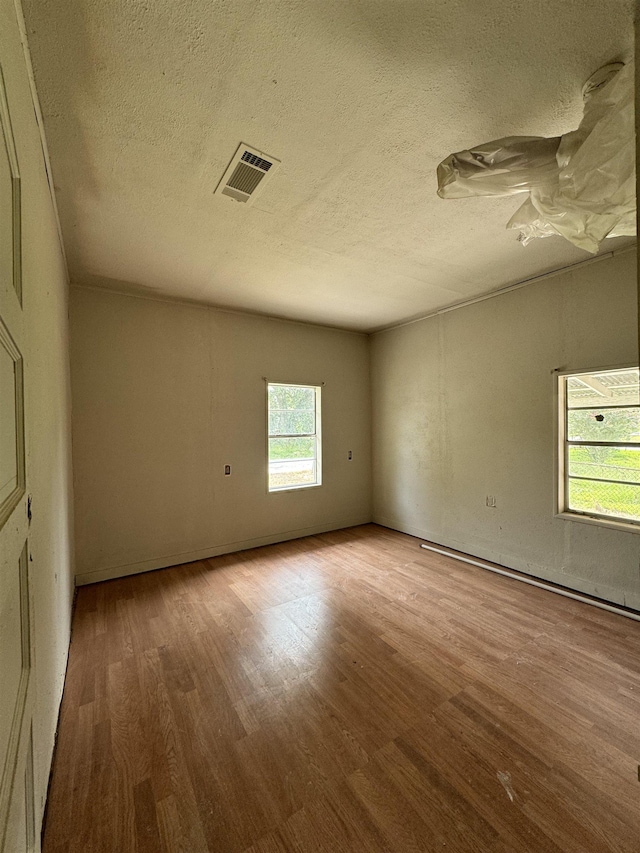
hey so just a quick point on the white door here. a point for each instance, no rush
(17, 831)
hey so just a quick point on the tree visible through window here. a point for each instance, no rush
(294, 436)
(600, 426)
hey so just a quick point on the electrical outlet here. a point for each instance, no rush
(227, 470)
(491, 501)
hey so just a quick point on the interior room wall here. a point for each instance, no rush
(165, 394)
(463, 407)
(44, 319)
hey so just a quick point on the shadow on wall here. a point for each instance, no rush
(128, 288)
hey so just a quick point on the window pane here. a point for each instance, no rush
(291, 422)
(292, 462)
(605, 463)
(292, 412)
(612, 499)
(291, 448)
(604, 424)
(292, 397)
(605, 388)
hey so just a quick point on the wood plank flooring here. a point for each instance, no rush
(345, 692)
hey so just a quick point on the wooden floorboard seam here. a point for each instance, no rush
(344, 692)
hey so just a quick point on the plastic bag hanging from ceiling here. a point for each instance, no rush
(580, 185)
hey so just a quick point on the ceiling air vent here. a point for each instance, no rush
(246, 174)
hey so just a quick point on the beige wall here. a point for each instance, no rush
(463, 408)
(44, 343)
(165, 394)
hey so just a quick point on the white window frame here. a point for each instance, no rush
(562, 450)
(317, 389)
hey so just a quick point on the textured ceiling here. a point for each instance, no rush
(146, 101)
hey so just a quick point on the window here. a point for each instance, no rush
(599, 447)
(294, 436)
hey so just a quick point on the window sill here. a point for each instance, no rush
(293, 488)
(627, 526)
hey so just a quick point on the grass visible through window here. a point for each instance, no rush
(294, 440)
(602, 444)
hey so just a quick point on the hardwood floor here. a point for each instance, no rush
(345, 692)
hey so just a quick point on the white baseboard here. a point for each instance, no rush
(150, 565)
(594, 588)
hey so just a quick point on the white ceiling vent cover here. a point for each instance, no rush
(246, 174)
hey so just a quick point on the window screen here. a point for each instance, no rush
(600, 447)
(294, 436)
